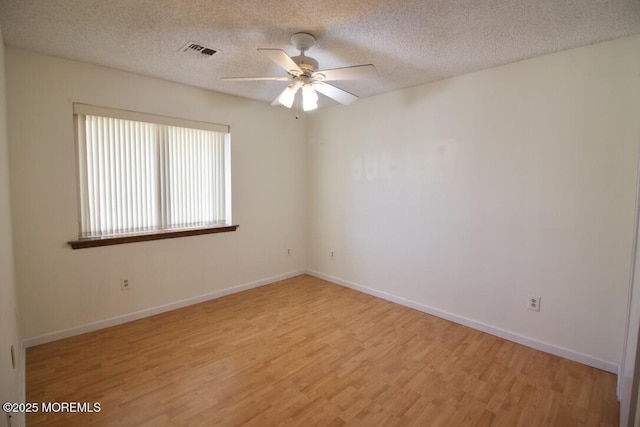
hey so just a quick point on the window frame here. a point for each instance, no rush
(80, 109)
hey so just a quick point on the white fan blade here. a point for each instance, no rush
(242, 79)
(350, 73)
(281, 58)
(342, 96)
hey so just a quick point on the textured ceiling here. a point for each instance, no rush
(410, 42)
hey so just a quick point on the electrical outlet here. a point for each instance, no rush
(288, 252)
(125, 284)
(533, 303)
(332, 255)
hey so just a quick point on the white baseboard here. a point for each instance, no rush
(18, 418)
(502, 333)
(101, 324)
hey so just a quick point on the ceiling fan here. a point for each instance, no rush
(305, 76)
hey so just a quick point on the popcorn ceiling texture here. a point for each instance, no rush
(410, 42)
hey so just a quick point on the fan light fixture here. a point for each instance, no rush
(287, 96)
(309, 98)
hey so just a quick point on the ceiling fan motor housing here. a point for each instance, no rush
(306, 63)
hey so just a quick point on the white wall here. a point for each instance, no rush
(60, 288)
(9, 334)
(468, 194)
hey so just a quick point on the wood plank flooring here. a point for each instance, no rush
(306, 352)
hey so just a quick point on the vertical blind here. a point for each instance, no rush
(138, 176)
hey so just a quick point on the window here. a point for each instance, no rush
(146, 175)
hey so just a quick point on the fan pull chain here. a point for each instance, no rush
(297, 106)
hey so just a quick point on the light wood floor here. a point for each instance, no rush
(306, 352)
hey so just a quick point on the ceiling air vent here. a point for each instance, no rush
(197, 49)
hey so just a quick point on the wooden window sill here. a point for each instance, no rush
(92, 242)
